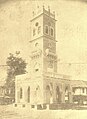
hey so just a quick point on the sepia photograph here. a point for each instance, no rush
(43, 59)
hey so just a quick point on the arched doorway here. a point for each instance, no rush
(28, 95)
(48, 94)
(58, 95)
(66, 94)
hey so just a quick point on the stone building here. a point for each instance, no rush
(44, 85)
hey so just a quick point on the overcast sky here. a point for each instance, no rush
(71, 32)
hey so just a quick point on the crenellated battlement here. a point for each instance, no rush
(40, 11)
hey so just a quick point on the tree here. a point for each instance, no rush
(16, 66)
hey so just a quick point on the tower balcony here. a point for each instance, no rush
(36, 53)
(56, 75)
(52, 55)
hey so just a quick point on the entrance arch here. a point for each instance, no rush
(58, 95)
(67, 94)
(48, 94)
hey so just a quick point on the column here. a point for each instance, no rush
(70, 97)
(17, 95)
(54, 93)
(25, 95)
(62, 97)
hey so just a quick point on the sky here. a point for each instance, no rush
(71, 32)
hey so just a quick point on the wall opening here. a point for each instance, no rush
(48, 94)
(58, 95)
(21, 93)
(28, 94)
(66, 94)
(46, 29)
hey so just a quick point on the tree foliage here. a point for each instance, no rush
(16, 65)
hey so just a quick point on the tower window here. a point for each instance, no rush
(52, 32)
(46, 29)
(36, 44)
(36, 24)
(34, 32)
(83, 90)
(39, 29)
(36, 67)
(36, 70)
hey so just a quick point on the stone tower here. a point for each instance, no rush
(43, 43)
(43, 47)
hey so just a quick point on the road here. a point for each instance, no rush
(10, 112)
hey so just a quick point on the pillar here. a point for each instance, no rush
(17, 94)
(62, 97)
(54, 93)
(47, 107)
(70, 97)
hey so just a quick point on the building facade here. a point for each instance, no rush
(44, 85)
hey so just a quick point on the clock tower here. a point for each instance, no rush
(43, 85)
(43, 43)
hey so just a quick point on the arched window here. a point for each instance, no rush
(83, 90)
(66, 90)
(48, 94)
(28, 94)
(58, 94)
(52, 31)
(38, 94)
(36, 44)
(66, 94)
(39, 29)
(46, 29)
(21, 93)
(36, 67)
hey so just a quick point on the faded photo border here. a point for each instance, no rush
(43, 59)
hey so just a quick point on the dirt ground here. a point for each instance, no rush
(10, 112)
